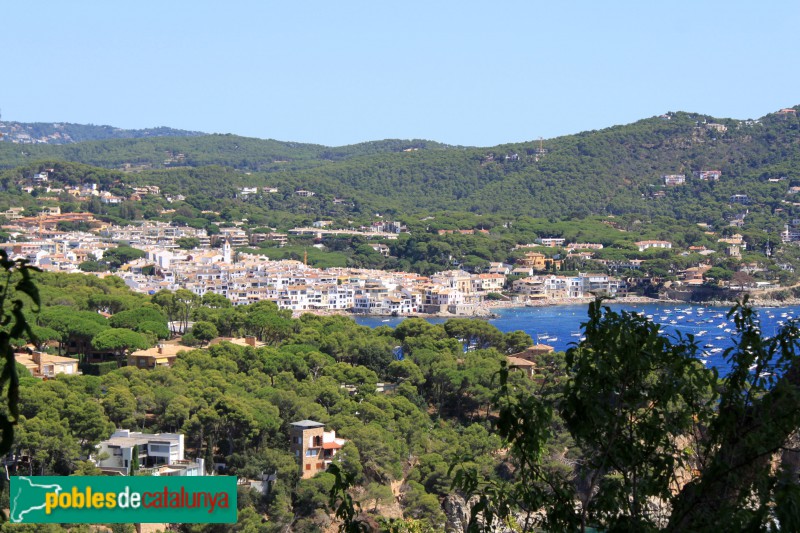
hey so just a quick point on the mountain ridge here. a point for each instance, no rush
(57, 133)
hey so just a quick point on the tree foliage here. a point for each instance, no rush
(663, 443)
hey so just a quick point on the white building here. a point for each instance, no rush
(551, 241)
(674, 179)
(646, 245)
(156, 451)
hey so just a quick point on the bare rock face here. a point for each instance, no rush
(457, 511)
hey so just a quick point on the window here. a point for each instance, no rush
(308, 466)
(320, 466)
(311, 452)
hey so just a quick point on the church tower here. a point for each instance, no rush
(227, 252)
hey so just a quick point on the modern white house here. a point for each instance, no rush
(158, 454)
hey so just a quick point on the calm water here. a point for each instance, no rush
(560, 326)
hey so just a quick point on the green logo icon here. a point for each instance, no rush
(91, 500)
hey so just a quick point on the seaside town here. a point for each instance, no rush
(247, 278)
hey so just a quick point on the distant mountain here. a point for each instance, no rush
(67, 133)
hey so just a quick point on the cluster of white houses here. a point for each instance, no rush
(561, 287)
(293, 285)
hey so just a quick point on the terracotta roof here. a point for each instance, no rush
(517, 361)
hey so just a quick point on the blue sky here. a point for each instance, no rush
(334, 73)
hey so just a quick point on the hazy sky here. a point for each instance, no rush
(460, 72)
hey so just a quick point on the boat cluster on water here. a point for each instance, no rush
(709, 325)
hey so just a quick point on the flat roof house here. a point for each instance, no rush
(313, 447)
(161, 453)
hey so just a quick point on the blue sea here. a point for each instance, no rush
(560, 326)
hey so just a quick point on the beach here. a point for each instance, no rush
(486, 309)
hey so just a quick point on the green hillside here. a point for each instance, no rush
(612, 171)
(601, 186)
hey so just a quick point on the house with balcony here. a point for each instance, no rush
(551, 241)
(532, 287)
(488, 282)
(159, 454)
(674, 179)
(313, 447)
(161, 355)
(708, 175)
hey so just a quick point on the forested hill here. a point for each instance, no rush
(67, 133)
(617, 170)
(243, 153)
